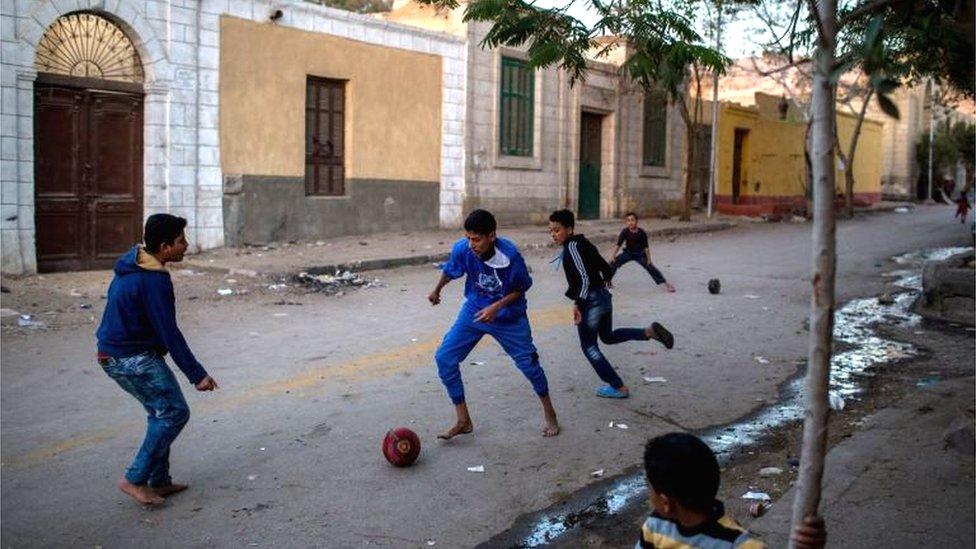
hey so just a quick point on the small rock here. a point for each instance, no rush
(770, 471)
(886, 299)
(959, 436)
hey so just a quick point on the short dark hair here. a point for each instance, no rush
(630, 214)
(162, 229)
(564, 218)
(683, 467)
(480, 222)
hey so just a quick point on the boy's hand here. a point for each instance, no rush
(487, 314)
(207, 384)
(812, 534)
(577, 315)
(434, 297)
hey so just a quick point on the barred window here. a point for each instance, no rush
(655, 127)
(516, 131)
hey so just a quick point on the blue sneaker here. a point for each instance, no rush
(609, 392)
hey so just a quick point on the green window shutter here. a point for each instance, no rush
(516, 108)
(655, 127)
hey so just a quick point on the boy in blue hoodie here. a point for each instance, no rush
(138, 328)
(497, 280)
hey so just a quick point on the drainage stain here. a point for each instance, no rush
(863, 350)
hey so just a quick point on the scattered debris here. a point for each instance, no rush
(928, 381)
(902, 210)
(756, 496)
(335, 284)
(714, 286)
(751, 296)
(836, 402)
(477, 363)
(27, 321)
(770, 471)
(477, 469)
(280, 314)
(276, 287)
(84, 306)
(225, 291)
(758, 509)
(431, 543)
(251, 477)
(598, 473)
(762, 360)
(655, 380)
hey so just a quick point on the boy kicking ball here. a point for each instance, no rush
(589, 277)
(495, 305)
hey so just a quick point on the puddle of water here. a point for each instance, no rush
(853, 328)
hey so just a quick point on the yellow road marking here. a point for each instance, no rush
(364, 368)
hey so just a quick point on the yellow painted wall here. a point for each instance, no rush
(393, 103)
(772, 156)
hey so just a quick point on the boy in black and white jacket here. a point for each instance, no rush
(589, 276)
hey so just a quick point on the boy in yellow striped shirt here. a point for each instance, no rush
(683, 478)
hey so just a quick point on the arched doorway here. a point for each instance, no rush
(88, 149)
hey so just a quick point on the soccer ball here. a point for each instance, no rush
(401, 446)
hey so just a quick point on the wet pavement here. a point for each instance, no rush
(862, 350)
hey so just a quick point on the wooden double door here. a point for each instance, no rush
(88, 175)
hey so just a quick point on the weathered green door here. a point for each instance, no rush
(589, 169)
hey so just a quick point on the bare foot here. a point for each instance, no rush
(169, 489)
(551, 429)
(140, 492)
(669, 287)
(460, 428)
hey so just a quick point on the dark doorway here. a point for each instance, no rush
(87, 175)
(589, 166)
(737, 151)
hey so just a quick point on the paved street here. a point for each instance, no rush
(286, 453)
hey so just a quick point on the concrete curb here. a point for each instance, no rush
(392, 262)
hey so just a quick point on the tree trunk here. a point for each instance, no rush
(849, 168)
(824, 262)
(689, 159)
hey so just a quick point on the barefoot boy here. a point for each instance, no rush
(636, 248)
(683, 478)
(138, 328)
(589, 277)
(495, 287)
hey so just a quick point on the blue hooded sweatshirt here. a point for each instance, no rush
(489, 281)
(140, 314)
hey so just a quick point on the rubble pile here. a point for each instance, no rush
(335, 284)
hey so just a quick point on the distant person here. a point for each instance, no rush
(138, 328)
(494, 291)
(683, 478)
(962, 207)
(589, 276)
(636, 247)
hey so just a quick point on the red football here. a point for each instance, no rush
(401, 446)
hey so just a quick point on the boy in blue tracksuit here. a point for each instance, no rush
(497, 280)
(138, 328)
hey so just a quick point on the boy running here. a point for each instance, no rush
(636, 248)
(138, 328)
(495, 287)
(589, 277)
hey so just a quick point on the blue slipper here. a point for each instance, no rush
(609, 392)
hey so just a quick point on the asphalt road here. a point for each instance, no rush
(287, 452)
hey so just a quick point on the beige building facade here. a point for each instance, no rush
(535, 143)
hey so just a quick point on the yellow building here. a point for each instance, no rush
(761, 165)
